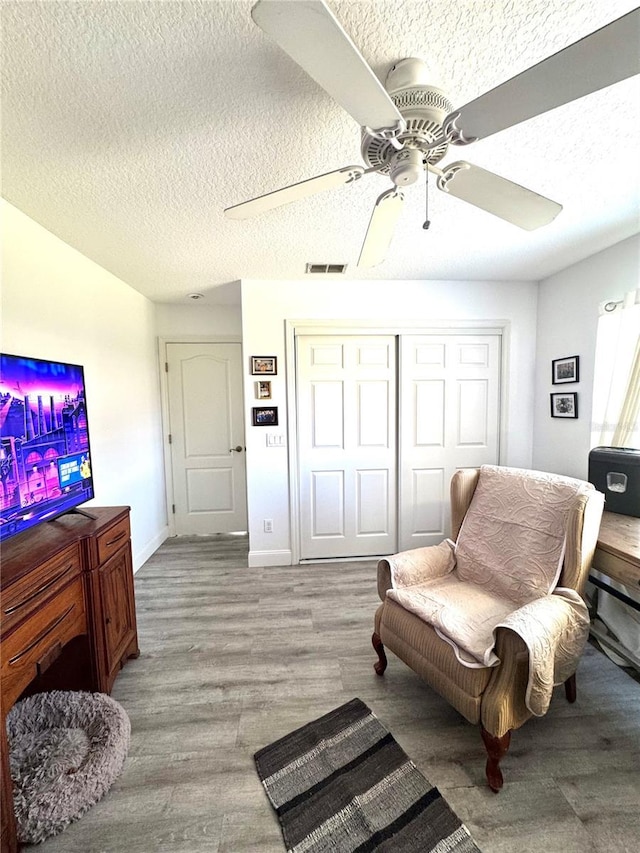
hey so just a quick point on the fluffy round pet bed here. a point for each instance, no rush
(65, 751)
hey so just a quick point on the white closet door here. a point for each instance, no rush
(449, 419)
(207, 429)
(346, 408)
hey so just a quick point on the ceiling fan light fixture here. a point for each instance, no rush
(407, 167)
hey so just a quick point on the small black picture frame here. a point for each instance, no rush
(565, 370)
(264, 416)
(264, 365)
(564, 405)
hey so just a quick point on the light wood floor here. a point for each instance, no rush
(233, 658)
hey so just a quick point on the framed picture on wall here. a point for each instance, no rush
(565, 370)
(564, 405)
(264, 365)
(264, 416)
(263, 389)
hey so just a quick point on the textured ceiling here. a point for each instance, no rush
(127, 128)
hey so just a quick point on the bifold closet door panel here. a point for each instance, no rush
(346, 410)
(449, 418)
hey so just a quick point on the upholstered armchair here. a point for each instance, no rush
(493, 620)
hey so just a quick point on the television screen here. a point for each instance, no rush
(45, 461)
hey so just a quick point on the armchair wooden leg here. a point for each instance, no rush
(570, 688)
(496, 748)
(381, 664)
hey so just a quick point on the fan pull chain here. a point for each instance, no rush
(427, 222)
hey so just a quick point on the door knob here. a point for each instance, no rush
(237, 449)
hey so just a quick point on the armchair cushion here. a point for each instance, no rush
(461, 613)
(554, 628)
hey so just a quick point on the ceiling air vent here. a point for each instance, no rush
(320, 269)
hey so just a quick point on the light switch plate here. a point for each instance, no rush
(275, 439)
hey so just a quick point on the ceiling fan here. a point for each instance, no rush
(408, 126)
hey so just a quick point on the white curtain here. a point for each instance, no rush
(616, 386)
(616, 423)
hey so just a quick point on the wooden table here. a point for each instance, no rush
(618, 549)
(617, 557)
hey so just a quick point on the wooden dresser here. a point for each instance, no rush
(67, 616)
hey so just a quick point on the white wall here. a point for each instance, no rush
(267, 304)
(58, 304)
(197, 319)
(567, 324)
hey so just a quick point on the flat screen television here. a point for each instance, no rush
(45, 458)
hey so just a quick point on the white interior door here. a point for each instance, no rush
(449, 419)
(207, 437)
(346, 409)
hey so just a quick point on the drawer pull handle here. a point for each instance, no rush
(117, 539)
(39, 639)
(38, 592)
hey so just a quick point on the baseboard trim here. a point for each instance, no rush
(270, 558)
(141, 557)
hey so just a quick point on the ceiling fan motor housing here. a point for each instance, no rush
(424, 108)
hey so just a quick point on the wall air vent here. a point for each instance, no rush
(323, 269)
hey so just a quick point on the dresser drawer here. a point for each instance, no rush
(113, 539)
(36, 643)
(28, 593)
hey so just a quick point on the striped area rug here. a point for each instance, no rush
(341, 784)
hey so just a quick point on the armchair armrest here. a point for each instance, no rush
(503, 702)
(417, 566)
(553, 630)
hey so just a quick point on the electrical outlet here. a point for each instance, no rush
(268, 525)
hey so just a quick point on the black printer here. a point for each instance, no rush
(615, 471)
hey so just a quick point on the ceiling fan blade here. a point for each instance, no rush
(497, 195)
(601, 59)
(328, 181)
(381, 227)
(313, 37)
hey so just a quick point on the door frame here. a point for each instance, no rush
(296, 328)
(164, 403)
